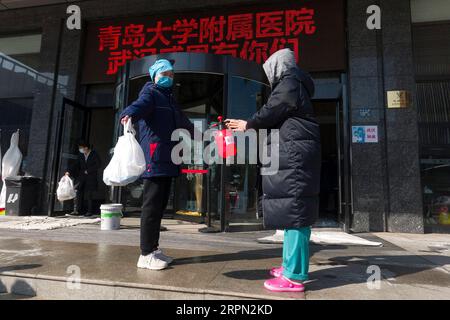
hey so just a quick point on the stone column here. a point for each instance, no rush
(405, 207)
(366, 107)
(385, 175)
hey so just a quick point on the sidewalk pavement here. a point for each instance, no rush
(45, 264)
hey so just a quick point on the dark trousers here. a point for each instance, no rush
(83, 192)
(155, 198)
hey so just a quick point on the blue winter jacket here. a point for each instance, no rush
(157, 116)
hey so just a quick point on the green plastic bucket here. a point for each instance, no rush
(110, 216)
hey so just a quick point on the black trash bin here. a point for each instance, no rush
(22, 195)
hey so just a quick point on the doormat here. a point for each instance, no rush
(324, 238)
(43, 223)
(341, 238)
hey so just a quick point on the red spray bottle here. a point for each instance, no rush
(225, 140)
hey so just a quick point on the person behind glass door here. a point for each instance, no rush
(291, 196)
(157, 116)
(85, 172)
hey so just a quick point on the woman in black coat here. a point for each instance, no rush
(291, 195)
(85, 171)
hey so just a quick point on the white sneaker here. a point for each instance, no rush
(163, 257)
(152, 262)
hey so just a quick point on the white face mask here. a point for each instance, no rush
(81, 150)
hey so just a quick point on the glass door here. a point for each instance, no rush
(340, 163)
(200, 96)
(335, 195)
(245, 97)
(344, 162)
(73, 124)
(328, 117)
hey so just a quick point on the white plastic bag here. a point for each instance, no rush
(10, 164)
(65, 190)
(128, 161)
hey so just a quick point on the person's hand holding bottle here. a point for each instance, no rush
(236, 125)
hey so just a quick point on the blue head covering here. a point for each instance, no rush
(159, 66)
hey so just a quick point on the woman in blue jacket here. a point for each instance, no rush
(157, 116)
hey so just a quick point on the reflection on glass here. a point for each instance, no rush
(191, 183)
(15, 115)
(245, 97)
(436, 190)
(19, 60)
(23, 48)
(434, 137)
(196, 193)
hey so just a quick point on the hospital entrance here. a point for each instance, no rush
(223, 197)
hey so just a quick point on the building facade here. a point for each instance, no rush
(385, 158)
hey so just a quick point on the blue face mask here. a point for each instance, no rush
(165, 82)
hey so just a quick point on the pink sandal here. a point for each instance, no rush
(282, 284)
(276, 272)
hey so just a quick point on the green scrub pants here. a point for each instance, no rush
(296, 253)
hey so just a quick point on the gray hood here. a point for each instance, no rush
(278, 63)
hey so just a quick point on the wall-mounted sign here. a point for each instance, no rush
(313, 29)
(364, 134)
(365, 113)
(398, 99)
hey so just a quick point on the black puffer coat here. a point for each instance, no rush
(86, 171)
(291, 196)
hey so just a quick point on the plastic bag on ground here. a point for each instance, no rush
(10, 165)
(65, 190)
(128, 162)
